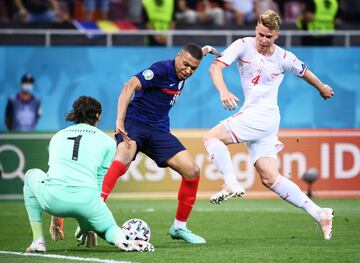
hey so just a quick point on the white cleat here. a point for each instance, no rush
(36, 246)
(134, 246)
(326, 222)
(227, 192)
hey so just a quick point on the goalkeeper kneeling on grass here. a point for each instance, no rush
(79, 156)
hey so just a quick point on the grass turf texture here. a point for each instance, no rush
(236, 231)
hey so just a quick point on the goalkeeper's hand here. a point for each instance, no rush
(88, 239)
(56, 228)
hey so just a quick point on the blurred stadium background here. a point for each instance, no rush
(75, 55)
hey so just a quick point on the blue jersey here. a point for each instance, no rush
(160, 90)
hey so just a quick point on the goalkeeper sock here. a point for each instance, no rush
(113, 234)
(220, 156)
(291, 193)
(115, 170)
(37, 230)
(186, 198)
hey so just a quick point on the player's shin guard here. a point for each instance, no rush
(186, 198)
(116, 170)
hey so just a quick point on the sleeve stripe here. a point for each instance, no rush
(222, 62)
(243, 61)
(303, 73)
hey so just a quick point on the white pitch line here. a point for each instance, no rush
(62, 257)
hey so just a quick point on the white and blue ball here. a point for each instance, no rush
(136, 229)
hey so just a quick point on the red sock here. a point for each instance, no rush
(115, 170)
(186, 198)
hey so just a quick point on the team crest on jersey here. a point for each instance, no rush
(148, 74)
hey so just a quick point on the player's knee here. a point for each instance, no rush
(206, 137)
(26, 176)
(193, 171)
(268, 179)
(268, 173)
(196, 170)
(31, 173)
(124, 157)
(125, 160)
(125, 154)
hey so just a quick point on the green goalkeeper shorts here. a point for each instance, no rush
(83, 204)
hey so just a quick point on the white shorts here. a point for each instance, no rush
(257, 130)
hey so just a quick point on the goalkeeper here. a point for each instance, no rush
(79, 157)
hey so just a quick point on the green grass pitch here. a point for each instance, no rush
(236, 231)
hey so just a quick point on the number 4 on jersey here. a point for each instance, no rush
(255, 80)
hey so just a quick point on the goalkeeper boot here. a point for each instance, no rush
(326, 222)
(134, 245)
(56, 228)
(37, 246)
(227, 192)
(186, 235)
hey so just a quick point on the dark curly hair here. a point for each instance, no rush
(84, 110)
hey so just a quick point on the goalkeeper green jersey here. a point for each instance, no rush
(80, 156)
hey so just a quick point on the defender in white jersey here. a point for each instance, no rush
(79, 157)
(262, 66)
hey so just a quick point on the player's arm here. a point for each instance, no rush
(227, 98)
(325, 90)
(124, 99)
(298, 68)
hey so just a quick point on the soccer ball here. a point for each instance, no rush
(136, 229)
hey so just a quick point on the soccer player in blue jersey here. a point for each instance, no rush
(79, 156)
(143, 125)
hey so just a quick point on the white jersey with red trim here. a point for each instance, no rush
(261, 75)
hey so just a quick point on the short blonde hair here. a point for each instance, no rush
(270, 19)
